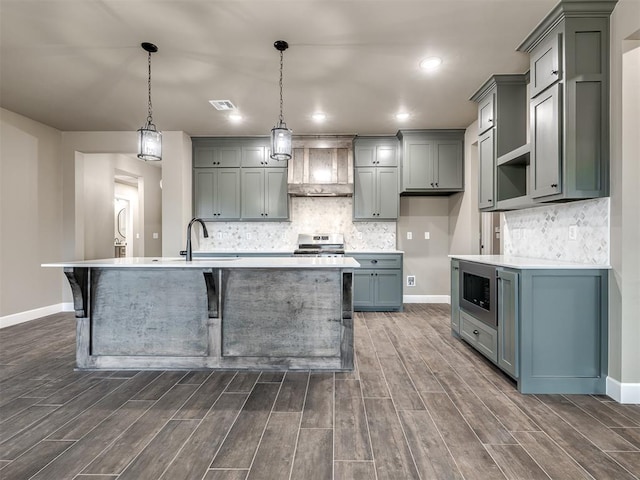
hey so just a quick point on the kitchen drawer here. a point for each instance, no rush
(373, 260)
(482, 337)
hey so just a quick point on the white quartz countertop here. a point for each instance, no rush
(527, 263)
(213, 262)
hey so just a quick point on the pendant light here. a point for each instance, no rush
(149, 139)
(280, 134)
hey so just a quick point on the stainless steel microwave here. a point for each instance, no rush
(478, 285)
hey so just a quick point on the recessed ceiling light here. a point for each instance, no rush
(319, 116)
(235, 117)
(402, 116)
(430, 63)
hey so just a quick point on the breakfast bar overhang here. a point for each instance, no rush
(276, 313)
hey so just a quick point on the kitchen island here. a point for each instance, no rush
(215, 313)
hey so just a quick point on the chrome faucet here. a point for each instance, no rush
(204, 232)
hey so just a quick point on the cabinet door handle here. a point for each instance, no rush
(554, 72)
(456, 268)
(436, 184)
(554, 185)
(476, 332)
(490, 120)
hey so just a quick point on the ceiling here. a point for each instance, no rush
(77, 65)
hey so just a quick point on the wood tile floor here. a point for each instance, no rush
(420, 405)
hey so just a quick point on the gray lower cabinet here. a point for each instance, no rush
(455, 297)
(264, 194)
(508, 320)
(552, 327)
(216, 193)
(377, 284)
(479, 335)
(375, 194)
(432, 161)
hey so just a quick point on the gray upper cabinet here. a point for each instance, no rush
(234, 179)
(546, 147)
(217, 193)
(376, 195)
(218, 154)
(264, 194)
(375, 152)
(255, 153)
(432, 161)
(486, 157)
(485, 113)
(502, 123)
(545, 64)
(569, 54)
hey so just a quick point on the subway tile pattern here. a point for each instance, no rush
(308, 215)
(547, 232)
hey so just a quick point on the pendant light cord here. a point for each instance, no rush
(149, 117)
(281, 102)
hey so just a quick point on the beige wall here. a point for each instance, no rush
(176, 192)
(30, 214)
(96, 208)
(426, 259)
(624, 285)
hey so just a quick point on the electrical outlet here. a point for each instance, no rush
(219, 235)
(427, 235)
(409, 236)
(573, 232)
(359, 235)
(155, 235)
(411, 280)
(248, 235)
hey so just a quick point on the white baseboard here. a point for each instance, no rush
(21, 317)
(426, 299)
(623, 392)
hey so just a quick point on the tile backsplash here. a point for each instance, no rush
(307, 215)
(574, 232)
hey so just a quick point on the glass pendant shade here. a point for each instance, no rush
(281, 142)
(149, 143)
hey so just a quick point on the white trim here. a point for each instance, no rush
(426, 299)
(21, 317)
(623, 392)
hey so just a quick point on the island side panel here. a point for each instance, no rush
(282, 313)
(149, 312)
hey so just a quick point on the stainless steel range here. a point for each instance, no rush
(320, 245)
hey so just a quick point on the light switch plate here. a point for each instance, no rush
(409, 235)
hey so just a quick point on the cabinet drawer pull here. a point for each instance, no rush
(476, 332)
(374, 261)
(554, 185)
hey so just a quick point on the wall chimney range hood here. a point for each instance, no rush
(321, 166)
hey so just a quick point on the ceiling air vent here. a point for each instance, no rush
(222, 104)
